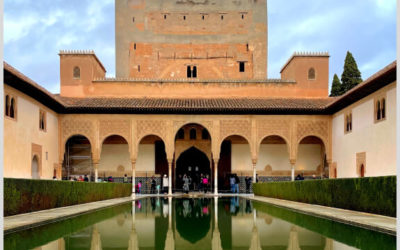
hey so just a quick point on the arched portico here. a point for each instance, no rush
(78, 157)
(311, 157)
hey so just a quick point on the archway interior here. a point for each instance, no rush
(193, 163)
(114, 158)
(273, 157)
(77, 157)
(235, 157)
(311, 157)
(35, 168)
(152, 158)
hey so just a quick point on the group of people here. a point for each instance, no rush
(80, 178)
(186, 182)
(234, 182)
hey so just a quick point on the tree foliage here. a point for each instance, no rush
(351, 76)
(336, 89)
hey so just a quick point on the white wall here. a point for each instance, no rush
(241, 158)
(114, 155)
(378, 140)
(309, 157)
(146, 160)
(275, 155)
(19, 135)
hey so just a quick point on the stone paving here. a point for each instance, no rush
(370, 221)
(375, 222)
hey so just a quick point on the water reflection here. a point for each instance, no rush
(206, 223)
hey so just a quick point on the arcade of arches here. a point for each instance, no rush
(263, 147)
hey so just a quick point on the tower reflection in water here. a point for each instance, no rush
(202, 223)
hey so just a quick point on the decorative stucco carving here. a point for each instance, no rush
(313, 128)
(115, 127)
(70, 127)
(206, 124)
(151, 127)
(235, 127)
(273, 127)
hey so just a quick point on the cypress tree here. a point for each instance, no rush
(336, 89)
(351, 75)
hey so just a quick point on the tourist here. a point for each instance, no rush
(86, 179)
(232, 182)
(125, 178)
(54, 178)
(201, 185)
(80, 178)
(153, 185)
(248, 184)
(71, 178)
(165, 184)
(237, 182)
(110, 179)
(186, 184)
(140, 187)
(298, 178)
(205, 183)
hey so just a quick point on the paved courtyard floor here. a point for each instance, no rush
(370, 221)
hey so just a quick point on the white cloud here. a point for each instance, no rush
(17, 28)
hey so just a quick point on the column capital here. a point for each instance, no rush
(133, 161)
(292, 161)
(95, 161)
(254, 161)
(216, 160)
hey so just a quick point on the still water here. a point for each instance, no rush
(202, 223)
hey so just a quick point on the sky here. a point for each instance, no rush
(35, 31)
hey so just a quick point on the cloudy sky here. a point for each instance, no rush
(34, 32)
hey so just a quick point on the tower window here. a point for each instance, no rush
(193, 134)
(165, 17)
(138, 68)
(241, 67)
(188, 72)
(133, 19)
(247, 47)
(311, 74)
(184, 17)
(202, 17)
(194, 72)
(77, 72)
(134, 46)
(242, 16)
(222, 17)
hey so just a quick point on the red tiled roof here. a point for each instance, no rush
(266, 105)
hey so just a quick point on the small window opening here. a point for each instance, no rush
(242, 16)
(184, 17)
(138, 68)
(378, 110)
(202, 17)
(188, 72)
(311, 74)
(47, 155)
(165, 17)
(247, 47)
(133, 19)
(181, 134)
(205, 135)
(7, 105)
(77, 73)
(194, 72)
(193, 134)
(241, 66)
(12, 106)
(222, 17)
(134, 46)
(383, 109)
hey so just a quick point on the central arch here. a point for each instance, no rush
(193, 163)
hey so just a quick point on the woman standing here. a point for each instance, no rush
(165, 184)
(186, 184)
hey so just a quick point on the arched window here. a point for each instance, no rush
(378, 110)
(193, 134)
(383, 112)
(188, 72)
(77, 72)
(194, 72)
(12, 107)
(7, 105)
(311, 74)
(181, 134)
(205, 135)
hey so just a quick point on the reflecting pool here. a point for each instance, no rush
(201, 223)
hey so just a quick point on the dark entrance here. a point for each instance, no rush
(193, 163)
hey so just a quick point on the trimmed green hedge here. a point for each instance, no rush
(372, 194)
(26, 195)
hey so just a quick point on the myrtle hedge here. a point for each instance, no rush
(25, 195)
(372, 194)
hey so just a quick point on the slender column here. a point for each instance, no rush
(293, 163)
(170, 212)
(254, 161)
(95, 164)
(170, 177)
(216, 176)
(133, 177)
